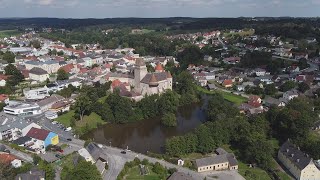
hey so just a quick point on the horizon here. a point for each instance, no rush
(99, 9)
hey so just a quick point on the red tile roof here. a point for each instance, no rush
(3, 77)
(67, 68)
(25, 73)
(7, 158)
(227, 82)
(36, 133)
(159, 67)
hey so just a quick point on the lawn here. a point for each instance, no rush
(90, 122)
(8, 33)
(252, 173)
(227, 96)
(134, 174)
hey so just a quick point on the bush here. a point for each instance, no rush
(169, 119)
(145, 162)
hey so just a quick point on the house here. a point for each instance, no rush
(16, 163)
(180, 176)
(3, 79)
(212, 87)
(38, 74)
(33, 174)
(22, 108)
(300, 164)
(36, 94)
(47, 103)
(42, 139)
(4, 98)
(227, 83)
(270, 101)
(221, 161)
(94, 154)
(265, 79)
(7, 158)
(260, 72)
(13, 130)
(232, 60)
(207, 58)
(289, 95)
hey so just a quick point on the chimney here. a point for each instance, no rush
(298, 160)
(292, 155)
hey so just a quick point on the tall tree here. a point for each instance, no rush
(62, 75)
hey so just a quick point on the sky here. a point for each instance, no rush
(158, 8)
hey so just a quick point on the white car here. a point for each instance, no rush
(54, 122)
(68, 129)
(51, 115)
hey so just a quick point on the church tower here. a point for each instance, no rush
(140, 71)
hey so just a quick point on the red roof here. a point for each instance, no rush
(3, 97)
(25, 73)
(36, 133)
(7, 158)
(3, 77)
(227, 82)
(67, 68)
(116, 83)
(108, 66)
(254, 98)
(158, 67)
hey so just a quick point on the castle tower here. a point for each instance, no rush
(140, 71)
(159, 68)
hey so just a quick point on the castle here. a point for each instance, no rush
(143, 83)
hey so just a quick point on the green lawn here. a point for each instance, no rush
(134, 174)
(227, 96)
(252, 173)
(91, 122)
(8, 33)
(283, 176)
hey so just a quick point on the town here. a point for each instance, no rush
(258, 93)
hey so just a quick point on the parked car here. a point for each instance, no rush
(123, 152)
(58, 156)
(68, 129)
(69, 139)
(51, 115)
(54, 122)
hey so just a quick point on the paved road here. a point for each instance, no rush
(117, 160)
(21, 155)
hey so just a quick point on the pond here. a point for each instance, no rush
(149, 134)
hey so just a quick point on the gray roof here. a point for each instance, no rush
(20, 124)
(180, 176)
(293, 153)
(161, 76)
(50, 100)
(96, 152)
(2, 148)
(22, 140)
(38, 71)
(272, 101)
(232, 159)
(31, 175)
(100, 166)
(221, 151)
(292, 92)
(218, 159)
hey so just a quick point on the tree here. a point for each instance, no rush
(83, 171)
(9, 57)
(62, 75)
(287, 86)
(15, 75)
(169, 119)
(82, 105)
(60, 53)
(35, 44)
(6, 172)
(270, 89)
(303, 87)
(190, 55)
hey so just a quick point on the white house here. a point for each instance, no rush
(15, 129)
(289, 95)
(16, 163)
(36, 94)
(260, 72)
(38, 74)
(300, 164)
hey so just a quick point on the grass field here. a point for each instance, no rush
(252, 173)
(92, 121)
(8, 33)
(134, 174)
(227, 96)
(243, 33)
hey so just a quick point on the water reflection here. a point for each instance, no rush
(149, 134)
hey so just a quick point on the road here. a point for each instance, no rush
(223, 44)
(117, 160)
(21, 155)
(312, 65)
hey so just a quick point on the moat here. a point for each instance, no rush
(149, 134)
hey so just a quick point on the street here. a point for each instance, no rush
(21, 155)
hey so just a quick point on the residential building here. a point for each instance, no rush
(298, 163)
(47, 103)
(180, 176)
(42, 139)
(3, 80)
(260, 72)
(22, 108)
(289, 95)
(33, 174)
(221, 161)
(228, 83)
(270, 101)
(36, 94)
(38, 74)
(13, 130)
(94, 154)
(49, 66)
